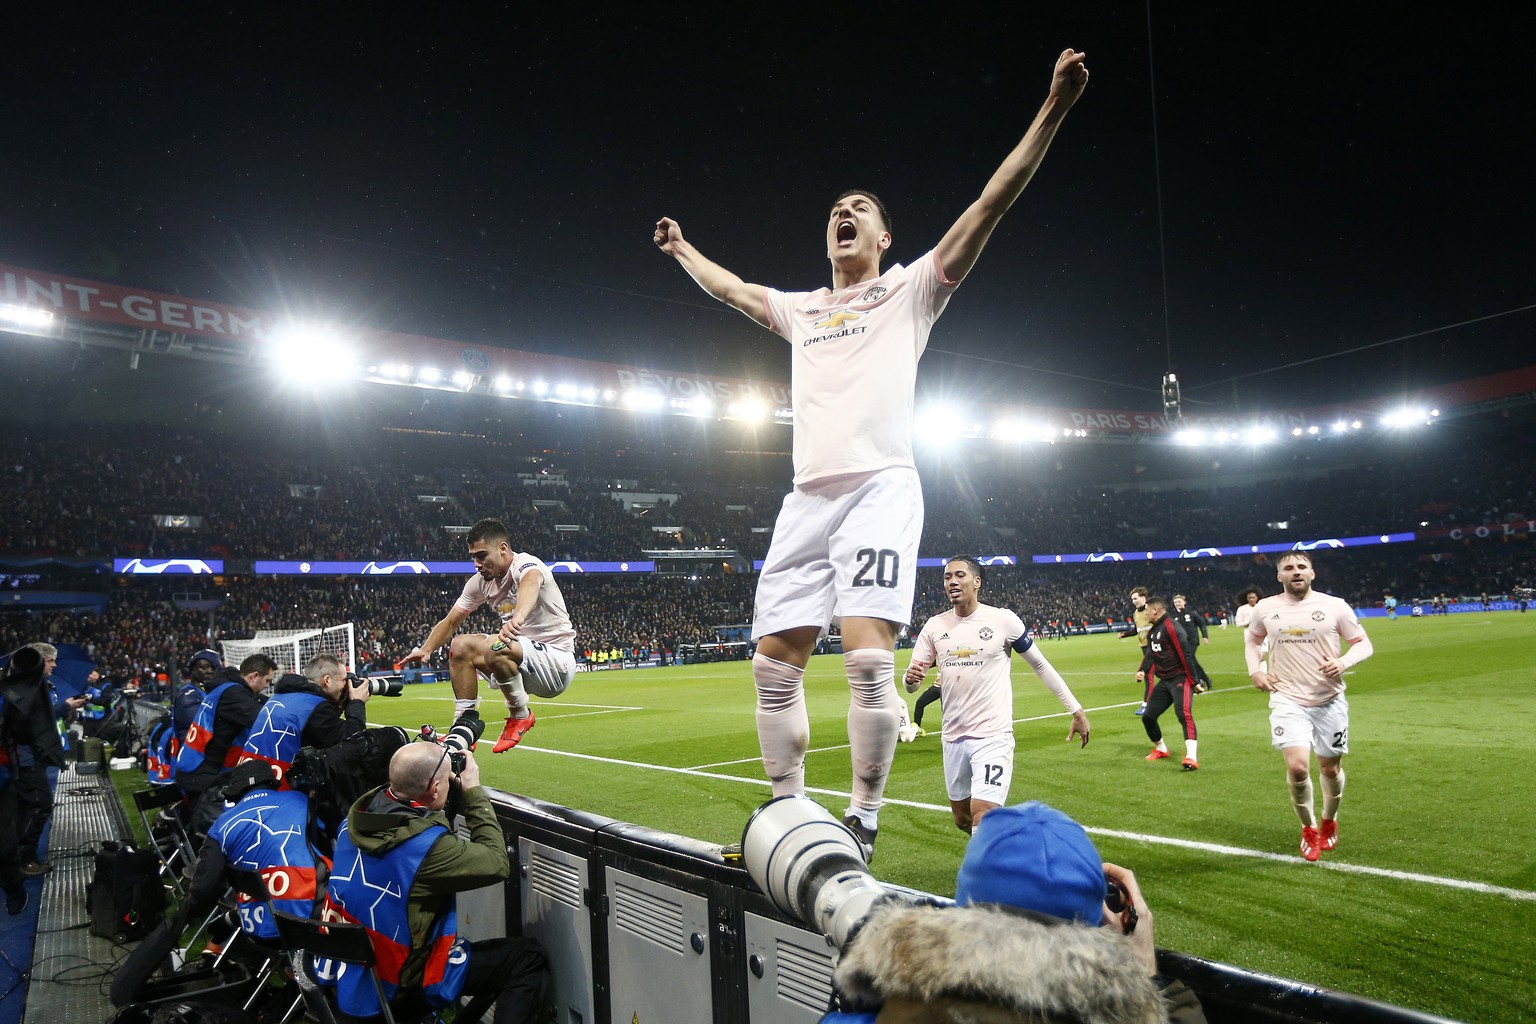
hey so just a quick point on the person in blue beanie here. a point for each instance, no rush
(1029, 939)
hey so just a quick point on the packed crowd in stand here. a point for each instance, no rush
(94, 499)
(80, 500)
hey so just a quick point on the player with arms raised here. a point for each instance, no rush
(1305, 681)
(535, 651)
(845, 543)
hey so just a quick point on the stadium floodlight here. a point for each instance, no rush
(463, 379)
(937, 420)
(1296, 431)
(1404, 417)
(429, 375)
(1261, 433)
(26, 316)
(566, 391)
(643, 401)
(609, 395)
(312, 355)
(502, 385)
(1312, 430)
(540, 388)
(1192, 436)
(1340, 426)
(589, 394)
(750, 411)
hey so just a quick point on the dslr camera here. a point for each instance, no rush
(377, 687)
(812, 868)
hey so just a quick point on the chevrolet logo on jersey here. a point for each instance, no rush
(505, 608)
(1296, 631)
(963, 652)
(837, 319)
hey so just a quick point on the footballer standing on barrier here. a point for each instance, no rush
(845, 542)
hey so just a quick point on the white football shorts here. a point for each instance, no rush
(844, 547)
(1324, 728)
(546, 670)
(979, 769)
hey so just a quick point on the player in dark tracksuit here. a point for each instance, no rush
(1195, 631)
(1167, 659)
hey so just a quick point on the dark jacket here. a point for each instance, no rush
(1168, 652)
(234, 715)
(327, 725)
(1192, 622)
(29, 720)
(990, 965)
(378, 823)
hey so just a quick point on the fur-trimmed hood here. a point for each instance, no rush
(985, 964)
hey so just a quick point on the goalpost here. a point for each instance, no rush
(292, 648)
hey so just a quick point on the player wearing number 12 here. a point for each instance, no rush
(971, 644)
(1305, 682)
(845, 542)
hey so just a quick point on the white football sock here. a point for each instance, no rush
(460, 706)
(1333, 792)
(783, 727)
(1301, 799)
(517, 697)
(874, 716)
(1189, 750)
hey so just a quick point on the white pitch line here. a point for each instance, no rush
(1523, 895)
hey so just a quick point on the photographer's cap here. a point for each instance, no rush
(1036, 858)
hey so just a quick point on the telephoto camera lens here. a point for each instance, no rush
(462, 737)
(811, 866)
(379, 687)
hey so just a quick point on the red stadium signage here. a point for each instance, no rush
(97, 300)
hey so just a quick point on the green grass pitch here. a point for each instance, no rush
(1429, 901)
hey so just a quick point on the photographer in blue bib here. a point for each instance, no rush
(399, 838)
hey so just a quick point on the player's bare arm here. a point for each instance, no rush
(709, 275)
(527, 596)
(963, 243)
(441, 634)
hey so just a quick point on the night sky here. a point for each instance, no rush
(493, 176)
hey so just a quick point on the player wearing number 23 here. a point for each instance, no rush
(1305, 631)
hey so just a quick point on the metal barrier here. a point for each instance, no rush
(649, 926)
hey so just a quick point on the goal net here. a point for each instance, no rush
(292, 648)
